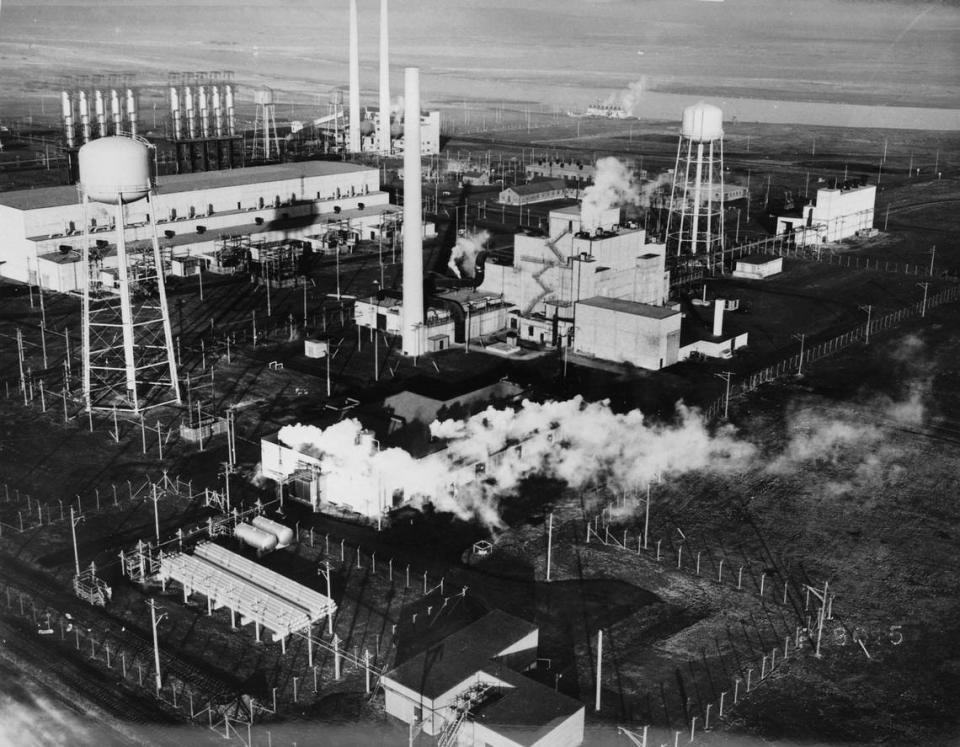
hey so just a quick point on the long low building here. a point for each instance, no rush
(260, 596)
(289, 200)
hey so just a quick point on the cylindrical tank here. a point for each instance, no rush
(66, 106)
(188, 108)
(702, 123)
(84, 116)
(175, 113)
(217, 111)
(204, 111)
(283, 533)
(114, 169)
(115, 111)
(132, 111)
(228, 103)
(257, 538)
(263, 95)
(101, 112)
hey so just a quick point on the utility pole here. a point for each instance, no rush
(646, 520)
(596, 705)
(726, 376)
(869, 309)
(154, 622)
(802, 337)
(549, 543)
(325, 572)
(923, 305)
(933, 253)
(73, 533)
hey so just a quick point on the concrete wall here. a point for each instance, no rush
(636, 339)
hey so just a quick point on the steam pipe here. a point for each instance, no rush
(84, 116)
(132, 111)
(354, 132)
(412, 218)
(66, 109)
(384, 79)
(115, 111)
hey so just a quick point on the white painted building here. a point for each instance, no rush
(542, 190)
(758, 267)
(468, 688)
(550, 273)
(836, 214)
(192, 212)
(429, 134)
(624, 331)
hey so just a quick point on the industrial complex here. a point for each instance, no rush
(543, 433)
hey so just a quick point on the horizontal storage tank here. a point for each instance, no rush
(283, 533)
(256, 538)
(702, 123)
(114, 169)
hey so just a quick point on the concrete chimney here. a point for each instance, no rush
(384, 135)
(66, 108)
(353, 142)
(718, 306)
(412, 330)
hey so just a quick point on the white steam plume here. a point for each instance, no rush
(463, 255)
(629, 98)
(488, 455)
(614, 184)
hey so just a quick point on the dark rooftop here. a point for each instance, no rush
(538, 186)
(461, 655)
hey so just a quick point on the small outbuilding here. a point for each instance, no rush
(758, 267)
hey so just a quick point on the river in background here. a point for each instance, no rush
(550, 54)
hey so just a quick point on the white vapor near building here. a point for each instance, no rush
(463, 255)
(614, 185)
(487, 456)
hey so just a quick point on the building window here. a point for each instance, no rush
(530, 331)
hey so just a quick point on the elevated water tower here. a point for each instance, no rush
(266, 145)
(695, 219)
(128, 359)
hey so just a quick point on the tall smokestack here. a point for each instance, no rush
(228, 103)
(354, 134)
(132, 111)
(718, 307)
(384, 80)
(175, 113)
(101, 113)
(84, 116)
(412, 218)
(115, 112)
(66, 109)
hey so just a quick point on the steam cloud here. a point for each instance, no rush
(463, 256)
(578, 442)
(629, 98)
(614, 184)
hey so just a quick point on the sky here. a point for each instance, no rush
(555, 53)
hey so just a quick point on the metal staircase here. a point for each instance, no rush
(463, 703)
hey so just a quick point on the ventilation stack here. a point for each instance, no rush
(353, 143)
(413, 329)
(384, 134)
(128, 358)
(695, 218)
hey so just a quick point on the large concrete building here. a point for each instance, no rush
(41, 230)
(429, 135)
(627, 332)
(837, 213)
(551, 273)
(468, 689)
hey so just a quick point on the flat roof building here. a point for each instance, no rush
(837, 213)
(619, 330)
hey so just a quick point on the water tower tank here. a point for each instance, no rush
(263, 96)
(702, 123)
(114, 169)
